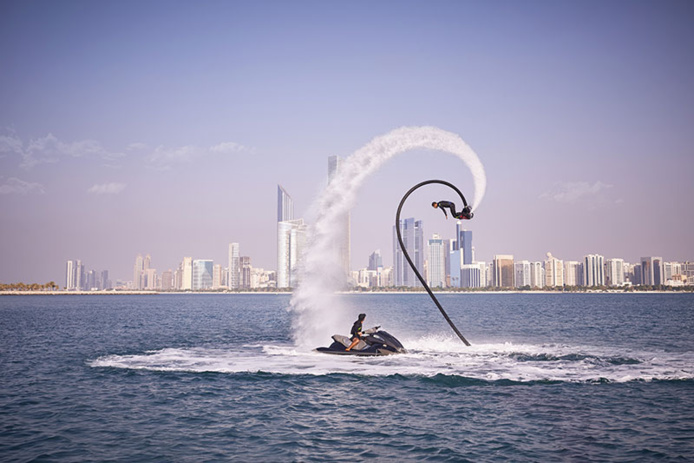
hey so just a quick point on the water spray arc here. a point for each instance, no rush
(315, 305)
(409, 260)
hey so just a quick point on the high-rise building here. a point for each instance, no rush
(455, 265)
(614, 272)
(502, 268)
(246, 272)
(217, 276)
(187, 274)
(285, 205)
(413, 238)
(141, 265)
(523, 276)
(167, 280)
(473, 275)
(572, 273)
(234, 266)
(71, 282)
(465, 243)
(594, 270)
(537, 275)
(437, 262)
(344, 222)
(554, 271)
(375, 260)
(202, 274)
(291, 237)
(651, 271)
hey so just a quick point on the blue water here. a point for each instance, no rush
(549, 377)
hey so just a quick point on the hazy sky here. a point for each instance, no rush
(155, 127)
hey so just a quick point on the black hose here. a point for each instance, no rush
(407, 256)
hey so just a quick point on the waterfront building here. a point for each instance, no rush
(594, 270)
(464, 238)
(473, 275)
(234, 266)
(537, 275)
(246, 270)
(187, 274)
(71, 282)
(168, 280)
(572, 273)
(523, 276)
(455, 265)
(202, 274)
(344, 222)
(502, 271)
(285, 205)
(614, 272)
(375, 260)
(149, 280)
(291, 238)
(437, 262)
(217, 276)
(554, 271)
(651, 271)
(413, 238)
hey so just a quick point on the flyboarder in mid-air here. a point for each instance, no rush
(465, 214)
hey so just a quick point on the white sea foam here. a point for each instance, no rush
(316, 308)
(426, 357)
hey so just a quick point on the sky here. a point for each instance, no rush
(164, 127)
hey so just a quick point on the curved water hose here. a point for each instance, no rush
(407, 256)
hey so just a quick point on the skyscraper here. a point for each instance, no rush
(554, 271)
(537, 275)
(234, 266)
(344, 245)
(187, 274)
(614, 272)
(246, 272)
(437, 262)
(464, 243)
(502, 271)
(285, 205)
(594, 270)
(523, 275)
(71, 275)
(202, 274)
(375, 260)
(413, 238)
(291, 236)
(651, 271)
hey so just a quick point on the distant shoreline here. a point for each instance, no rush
(280, 293)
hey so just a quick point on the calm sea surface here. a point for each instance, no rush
(549, 377)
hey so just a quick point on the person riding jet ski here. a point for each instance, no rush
(356, 331)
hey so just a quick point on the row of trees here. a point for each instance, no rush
(50, 286)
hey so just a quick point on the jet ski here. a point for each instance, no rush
(374, 342)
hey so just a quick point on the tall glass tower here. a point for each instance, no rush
(412, 232)
(344, 245)
(285, 205)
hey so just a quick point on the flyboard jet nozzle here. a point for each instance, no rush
(467, 213)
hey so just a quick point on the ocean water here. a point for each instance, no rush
(190, 377)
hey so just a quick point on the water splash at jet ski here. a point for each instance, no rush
(374, 342)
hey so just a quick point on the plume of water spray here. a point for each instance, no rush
(316, 308)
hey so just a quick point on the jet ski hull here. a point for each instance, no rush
(374, 344)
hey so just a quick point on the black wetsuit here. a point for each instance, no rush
(356, 330)
(451, 206)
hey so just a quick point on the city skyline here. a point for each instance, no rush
(166, 127)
